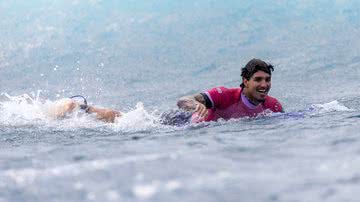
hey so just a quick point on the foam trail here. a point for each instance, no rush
(26, 109)
(333, 106)
(21, 108)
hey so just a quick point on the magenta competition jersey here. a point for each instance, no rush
(227, 103)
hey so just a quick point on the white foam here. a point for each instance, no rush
(26, 109)
(21, 109)
(333, 106)
(137, 120)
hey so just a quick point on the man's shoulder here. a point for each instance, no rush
(273, 104)
(223, 97)
(225, 90)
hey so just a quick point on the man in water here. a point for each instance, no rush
(66, 106)
(250, 100)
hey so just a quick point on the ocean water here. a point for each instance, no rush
(140, 57)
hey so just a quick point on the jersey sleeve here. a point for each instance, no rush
(274, 105)
(278, 107)
(218, 97)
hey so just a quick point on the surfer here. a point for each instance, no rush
(249, 100)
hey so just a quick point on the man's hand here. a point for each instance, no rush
(194, 104)
(107, 115)
(201, 110)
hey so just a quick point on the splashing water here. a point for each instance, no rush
(333, 106)
(25, 109)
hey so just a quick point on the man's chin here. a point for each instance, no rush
(261, 99)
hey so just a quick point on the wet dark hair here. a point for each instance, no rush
(254, 66)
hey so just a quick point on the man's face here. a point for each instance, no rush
(257, 87)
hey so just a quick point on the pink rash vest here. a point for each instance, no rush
(228, 103)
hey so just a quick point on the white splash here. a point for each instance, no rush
(22, 108)
(25, 109)
(333, 106)
(138, 119)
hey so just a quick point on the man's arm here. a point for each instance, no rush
(195, 103)
(107, 115)
(68, 106)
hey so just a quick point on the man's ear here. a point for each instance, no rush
(245, 81)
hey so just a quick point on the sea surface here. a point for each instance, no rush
(139, 57)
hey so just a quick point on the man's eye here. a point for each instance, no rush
(257, 79)
(268, 79)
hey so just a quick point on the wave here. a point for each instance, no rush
(32, 110)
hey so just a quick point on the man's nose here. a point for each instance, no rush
(264, 83)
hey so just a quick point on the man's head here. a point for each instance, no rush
(256, 76)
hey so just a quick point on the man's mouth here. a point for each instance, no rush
(262, 91)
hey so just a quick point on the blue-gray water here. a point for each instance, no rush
(140, 57)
